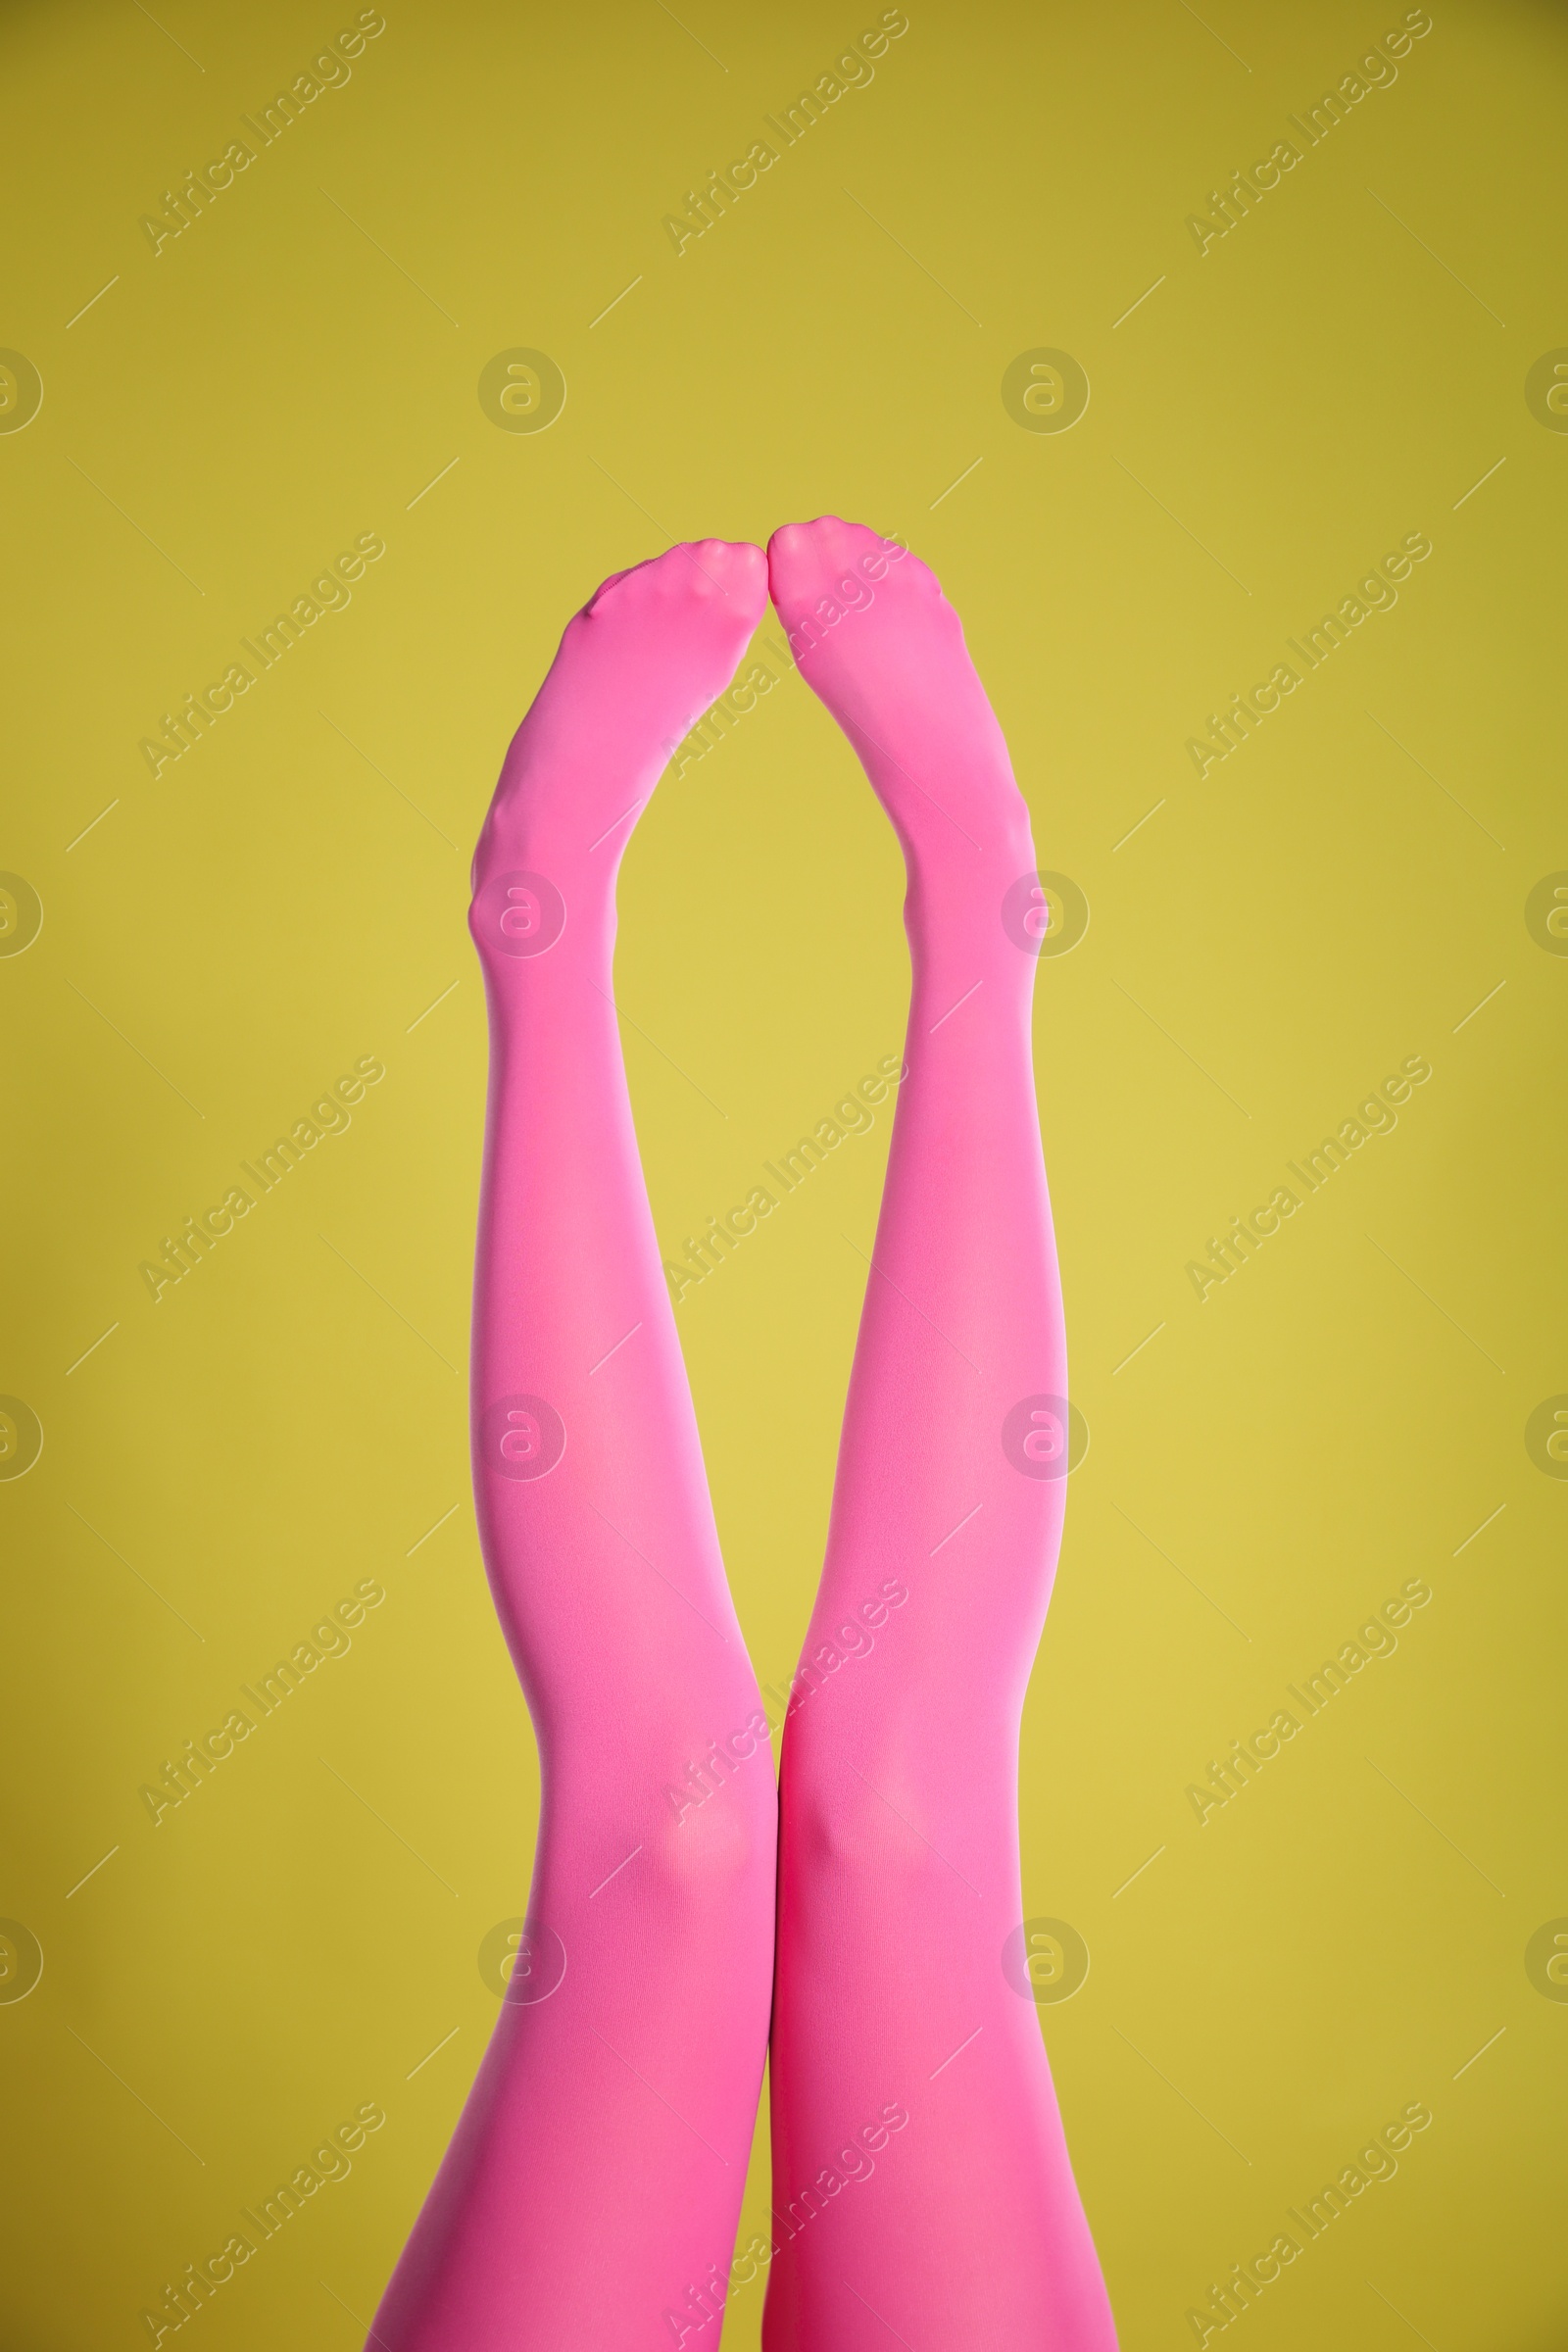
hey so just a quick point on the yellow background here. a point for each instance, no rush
(292, 372)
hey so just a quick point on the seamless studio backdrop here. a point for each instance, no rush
(1191, 351)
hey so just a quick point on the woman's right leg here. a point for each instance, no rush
(591, 2187)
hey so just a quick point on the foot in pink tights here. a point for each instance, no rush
(593, 2183)
(922, 2185)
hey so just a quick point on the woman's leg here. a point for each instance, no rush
(595, 2177)
(923, 2191)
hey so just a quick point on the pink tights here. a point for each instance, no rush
(923, 2188)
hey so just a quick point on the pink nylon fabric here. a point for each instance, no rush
(921, 2182)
